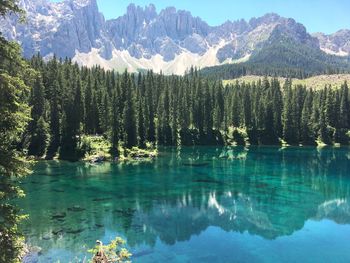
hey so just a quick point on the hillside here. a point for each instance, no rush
(317, 82)
(281, 55)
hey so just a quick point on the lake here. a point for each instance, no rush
(201, 204)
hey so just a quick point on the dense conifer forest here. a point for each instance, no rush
(282, 57)
(129, 110)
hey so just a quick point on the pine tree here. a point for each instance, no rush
(141, 126)
(130, 136)
(115, 123)
(103, 112)
(306, 132)
(38, 131)
(71, 126)
(78, 108)
(208, 119)
(40, 138)
(89, 115)
(344, 107)
(219, 108)
(277, 107)
(330, 107)
(14, 116)
(247, 111)
(55, 127)
(151, 132)
(289, 131)
(236, 108)
(323, 131)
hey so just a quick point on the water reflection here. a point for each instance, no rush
(265, 191)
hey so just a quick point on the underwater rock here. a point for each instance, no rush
(74, 231)
(31, 254)
(46, 237)
(208, 181)
(58, 190)
(102, 199)
(59, 216)
(125, 212)
(142, 253)
(57, 232)
(75, 208)
(54, 180)
(195, 164)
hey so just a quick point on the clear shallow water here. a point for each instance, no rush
(202, 204)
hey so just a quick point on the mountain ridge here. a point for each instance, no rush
(170, 40)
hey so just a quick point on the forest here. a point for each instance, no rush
(130, 110)
(282, 57)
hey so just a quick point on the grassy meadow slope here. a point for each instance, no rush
(317, 82)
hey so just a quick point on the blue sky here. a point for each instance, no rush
(325, 16)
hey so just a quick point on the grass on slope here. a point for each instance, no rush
(316, 82)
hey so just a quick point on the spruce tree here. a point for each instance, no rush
(289, 131)
(115, 123)
(15, 76)
(89, 113)
(306, 133)
(130, 133)
(323, 131)
(38, 131)
(54, 125)
(141, 126)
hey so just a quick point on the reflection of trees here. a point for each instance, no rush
(269, 192)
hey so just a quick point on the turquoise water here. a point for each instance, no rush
(202, 204)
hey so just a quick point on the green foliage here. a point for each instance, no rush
(38, 128)
(10, 6)
(94, 146)
(240, 136)
(15, 75)
(114, 251)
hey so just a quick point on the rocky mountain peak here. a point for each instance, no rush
(83, 3)
(171, 40)
(337, 43)
(270, 18)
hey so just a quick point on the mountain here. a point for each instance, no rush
(335, 44)
(170, 40)
(283, 56)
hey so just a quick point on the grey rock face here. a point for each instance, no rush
(228, 51)
(59, 28)
(339, 42)
(73, 26)
(195, 43)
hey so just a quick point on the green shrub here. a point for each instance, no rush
(114, 251)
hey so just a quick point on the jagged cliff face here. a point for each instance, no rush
(335, 44)
(170, 41)
(58, 28)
